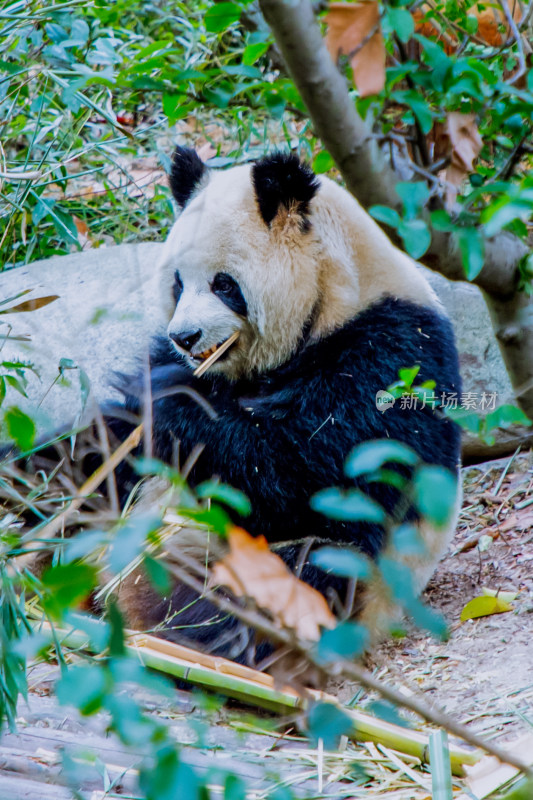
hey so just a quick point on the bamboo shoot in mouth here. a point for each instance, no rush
(221, 349)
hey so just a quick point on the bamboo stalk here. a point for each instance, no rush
(257, 688)
(216, 355)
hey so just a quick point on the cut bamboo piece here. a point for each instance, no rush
(216, 355)
(489, 774)
(257, 688)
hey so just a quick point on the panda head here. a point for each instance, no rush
(268, 250)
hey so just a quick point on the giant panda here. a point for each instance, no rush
(328, 311)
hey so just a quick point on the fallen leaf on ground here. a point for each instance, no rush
(348, 25)
(518, 522)
(507, 596)
(250, 569)
(83, 233)
(484, 607)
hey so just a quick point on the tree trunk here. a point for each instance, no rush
(372, 181)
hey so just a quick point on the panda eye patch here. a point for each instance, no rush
(229, 292)
(177, 286)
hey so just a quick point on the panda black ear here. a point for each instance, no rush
(282, 180)
(186, 173)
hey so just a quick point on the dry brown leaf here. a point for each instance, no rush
(83, 233)
(465, 140)
(30, 305)
(348, 25)
(459, 139)
(250, 569)
(493, 27)
(491, 18)
(206, 151)
(518, 522)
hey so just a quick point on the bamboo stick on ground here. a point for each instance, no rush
(257, 688)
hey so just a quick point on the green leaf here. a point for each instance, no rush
(220, 16)
(399, 579)
(370, 456)
(226, 494)
(215, 517)
(283, 793)
(406, 539)
(83, 544)
(116, 630)
(466, 418)
(434, 55)
(168, 778)
(472, 251)
(506, 415)
(418, 106)
(401, 22)
(323, 162)
(234, 788)
(413, 196)
(435, 493)
(386, 215)
(350, 505)
(416, 237)
(130, 539)
(218, 95)
(254, 52)
(96, 630)
(346, 640)
(20, 428)
(505, 211)
(84, 687)
(175, 106)
(342, 561)
(158, 575)
(65, 585)
(408, 374)
(129, 669)
(388, 713)
(441, 220)
(327, 722)
(242, 70)
(471, 24)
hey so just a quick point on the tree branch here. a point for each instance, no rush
(372, 181)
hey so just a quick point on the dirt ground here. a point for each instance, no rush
(484, 673)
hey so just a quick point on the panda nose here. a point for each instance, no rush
(186, 339)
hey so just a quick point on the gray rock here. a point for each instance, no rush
(103, 320)
(482, 366)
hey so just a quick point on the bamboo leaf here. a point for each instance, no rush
(31, 305)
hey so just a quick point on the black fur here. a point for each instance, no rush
(228, 290)
(177, 287)
(284, 435)
(186, 173)
(281, 179)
